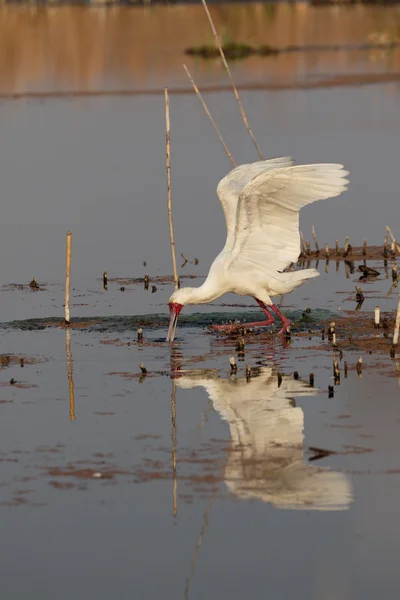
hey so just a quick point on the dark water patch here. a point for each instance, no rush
(237, 50)
(154, 321)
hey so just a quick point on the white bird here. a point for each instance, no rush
(261, 203)
(266, 457)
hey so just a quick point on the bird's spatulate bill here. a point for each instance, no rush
(174, 310)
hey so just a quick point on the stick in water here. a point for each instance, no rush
(221, 139)
(68, 278)
(168, 154)
(227, 69)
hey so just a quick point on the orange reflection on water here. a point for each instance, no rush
(75, 48)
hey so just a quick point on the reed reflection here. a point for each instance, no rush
(71, 387)
(266, 458)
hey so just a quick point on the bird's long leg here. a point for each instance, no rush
(235, 326)
(285, 321)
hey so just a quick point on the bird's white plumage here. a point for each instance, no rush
(231, 186)
(267, 459)
(267, 214)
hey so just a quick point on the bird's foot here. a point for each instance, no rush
(286, 327)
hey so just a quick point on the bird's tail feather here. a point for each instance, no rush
(292, 280)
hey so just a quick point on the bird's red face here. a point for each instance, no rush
(174, 310)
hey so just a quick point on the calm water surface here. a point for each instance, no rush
(199, 486)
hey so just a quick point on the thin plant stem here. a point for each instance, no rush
(68, 278)
(221, 139)
(168, 162)
(227, 69)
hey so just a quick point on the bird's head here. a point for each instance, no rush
(175, 304)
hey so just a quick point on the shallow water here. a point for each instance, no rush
(188, 481)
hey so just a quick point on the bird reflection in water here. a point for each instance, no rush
(266, 459)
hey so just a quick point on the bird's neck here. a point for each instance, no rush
(205, 293)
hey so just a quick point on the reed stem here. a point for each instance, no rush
(200, 97)
(168, 163)
(68, 279)
(227, 69)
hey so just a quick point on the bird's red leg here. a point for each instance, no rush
(236, 326)
(285, 321)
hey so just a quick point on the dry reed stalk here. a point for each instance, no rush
(227, 69)
(200, 97)
(68, 278)
(168, 162)
(393, 238)
(397, 326)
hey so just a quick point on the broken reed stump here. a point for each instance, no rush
(377, 320)
(393, 239)
(336, 371)
(240, 347)
(348, 250)
(68, 278)
(233, 364)
(359, 366)
(315, 240)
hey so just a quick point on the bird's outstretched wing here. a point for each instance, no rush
(230, 187)
(267, 223)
